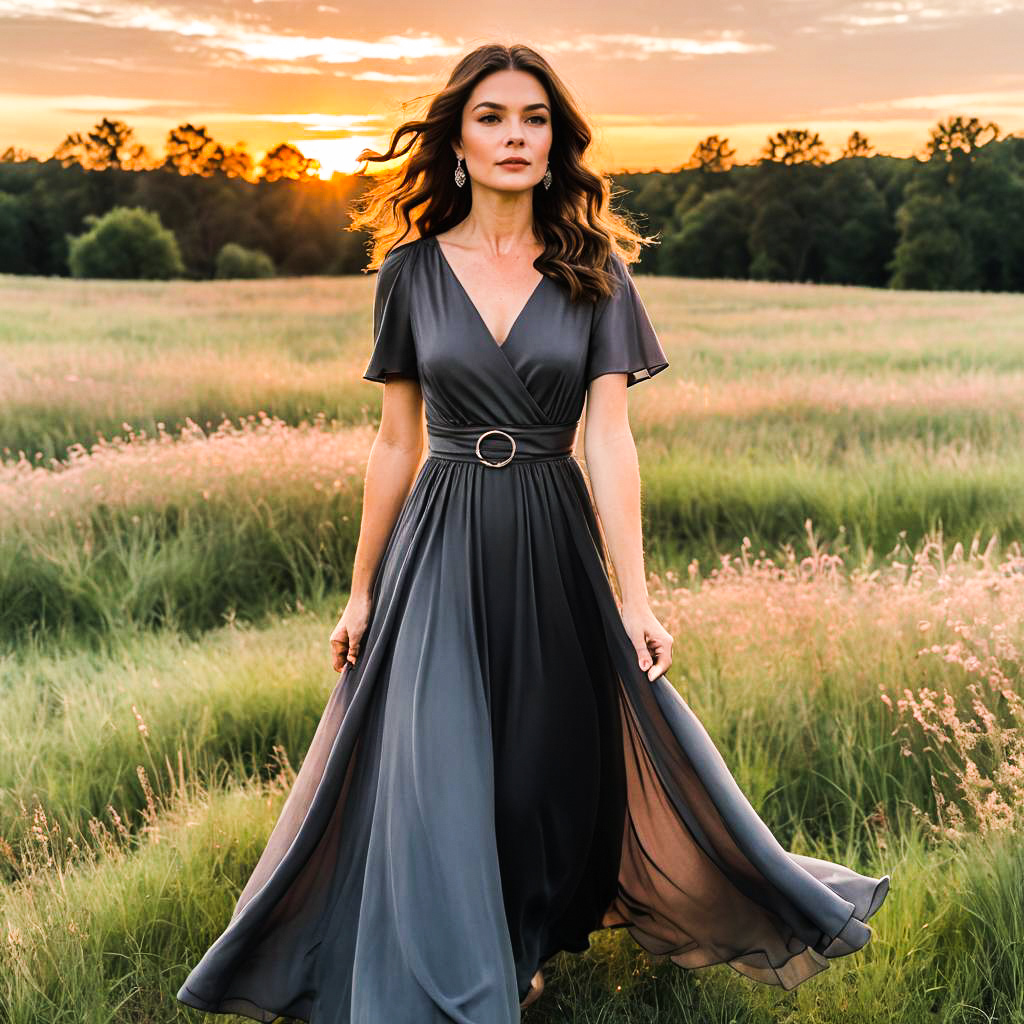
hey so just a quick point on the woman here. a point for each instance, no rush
(502, 767)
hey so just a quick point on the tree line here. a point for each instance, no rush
(949, 218)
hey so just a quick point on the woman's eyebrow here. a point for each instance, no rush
(501, 106)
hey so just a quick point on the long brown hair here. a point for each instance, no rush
(573, 218)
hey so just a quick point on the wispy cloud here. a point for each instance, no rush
(870, 14)
(632, 46)
(253, 41)
(994, 103)
(80, 103)
(390, 77)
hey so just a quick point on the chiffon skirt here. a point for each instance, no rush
(495, 779)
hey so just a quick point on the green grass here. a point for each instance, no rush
(74, 726)
(166, 602)
(79, 358)
(108, 940)
(112, 939)
(879, 416)
(155, 534)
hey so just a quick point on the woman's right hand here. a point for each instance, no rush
(347, 636)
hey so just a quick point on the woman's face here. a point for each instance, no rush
(507, 115)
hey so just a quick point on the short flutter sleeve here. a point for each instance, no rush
(394, 350)
(622, 337)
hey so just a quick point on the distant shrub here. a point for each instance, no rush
(236, 260)
(125, 243)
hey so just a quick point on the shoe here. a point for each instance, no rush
(536, 987)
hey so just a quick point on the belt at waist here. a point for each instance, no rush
(496, 446)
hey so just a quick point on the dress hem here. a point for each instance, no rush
(765, 975)
(226, 1006)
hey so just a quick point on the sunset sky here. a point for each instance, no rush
(654, 77)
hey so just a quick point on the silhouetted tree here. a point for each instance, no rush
(953, 147)
(285, 161)
(13, 234)
(932, 252)
(856, 145)
(237, 162)
(711, 155)
(962, 224)
(794, 146)
(959, 135)
(855, 234)
(953, 219)
(785, 235)
(110, 145)
(192, 150)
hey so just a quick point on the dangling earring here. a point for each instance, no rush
(460, 174)
(547, 177)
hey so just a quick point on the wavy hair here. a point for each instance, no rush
(573, 219)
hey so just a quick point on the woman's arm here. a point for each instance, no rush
(390, 470)
(614, 471)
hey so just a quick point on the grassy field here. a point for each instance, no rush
(832, 513)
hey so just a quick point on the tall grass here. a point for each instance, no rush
(864, 505)
(74, 726)
(77, 358)
(832, 523)
(178, 532)
(185, 531)
(792, 665)
(107, 930)
(103, 931)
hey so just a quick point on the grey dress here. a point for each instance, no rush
(496, 777)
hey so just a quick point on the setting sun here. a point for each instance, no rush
(339, 155)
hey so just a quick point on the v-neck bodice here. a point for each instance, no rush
(426, 326)
(476, 309)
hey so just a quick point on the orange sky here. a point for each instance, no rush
(653, 77)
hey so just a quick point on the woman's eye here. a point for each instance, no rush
(535, 117)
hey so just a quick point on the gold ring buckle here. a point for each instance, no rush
(495, 464)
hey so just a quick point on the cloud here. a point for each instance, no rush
(631, 46)
(869, 14)
(90, 104)
(254, 41)
(993, 103)
(389, 76)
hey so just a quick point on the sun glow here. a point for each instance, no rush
(340, 155)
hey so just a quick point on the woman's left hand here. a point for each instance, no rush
(648, 634)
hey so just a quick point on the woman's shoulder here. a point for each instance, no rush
(398, 257)
(400, 253)
(617, 265)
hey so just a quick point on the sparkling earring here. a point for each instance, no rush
(547, 177)
(460, 174)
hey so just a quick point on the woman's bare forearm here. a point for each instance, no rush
(390, 471)
(614, 473)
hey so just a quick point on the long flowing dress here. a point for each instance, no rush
(495, 777)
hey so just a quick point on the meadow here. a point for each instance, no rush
(832, 483)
